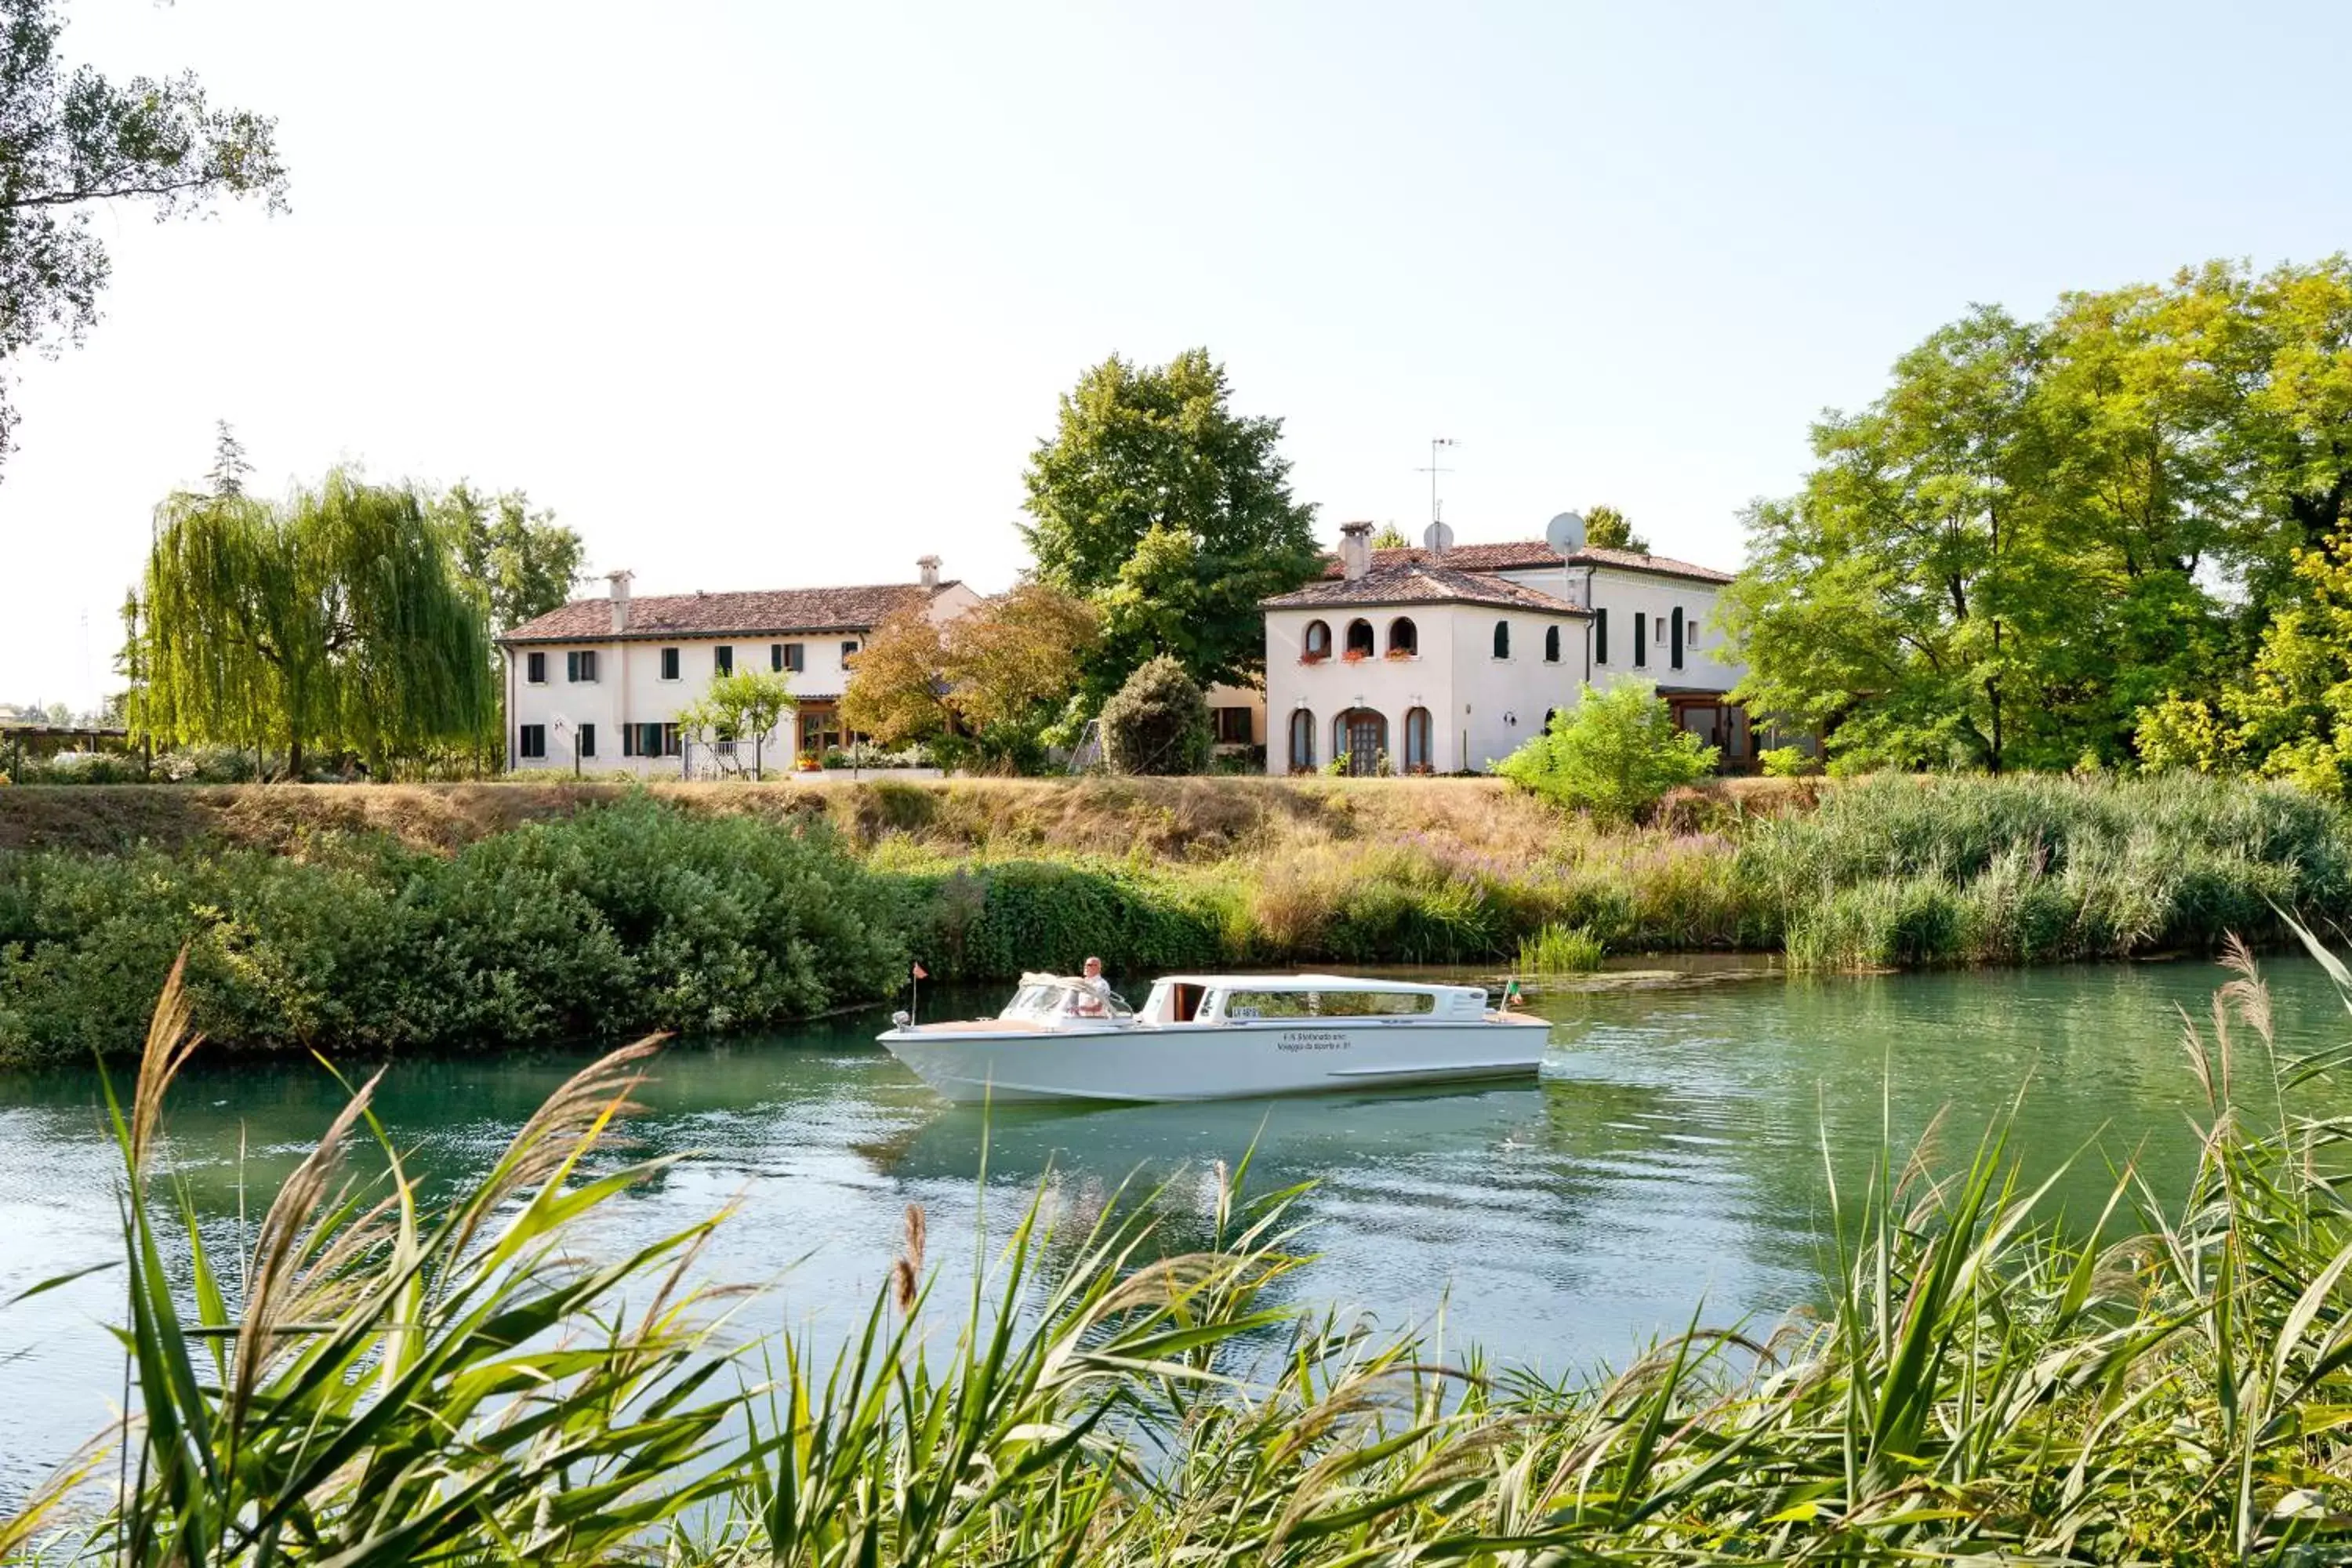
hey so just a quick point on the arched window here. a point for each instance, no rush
(1550, 713)
(1502, 639)
(1404, 638)
(1360, 640)
(1318, 641)
(1302, 740)
(1416, 741)
(1551, 644)
(1675, 648)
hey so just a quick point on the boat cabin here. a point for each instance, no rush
(1288, 998)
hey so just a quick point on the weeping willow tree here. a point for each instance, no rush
(334, 621)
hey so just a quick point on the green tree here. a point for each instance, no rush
(2043, 528)
(524, 563)
(1391, 537)
(337, 620)
(2289, 714)
(1158, 722)
(1609, 529)
(740, 705)
(1614, 755)
(1170, 512)
(72, 142)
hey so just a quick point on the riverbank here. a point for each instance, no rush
(417, 917)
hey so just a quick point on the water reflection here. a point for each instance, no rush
(1673, 1151)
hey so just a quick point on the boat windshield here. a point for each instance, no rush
(1051, 997)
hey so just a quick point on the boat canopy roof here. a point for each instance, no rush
(1316, 982)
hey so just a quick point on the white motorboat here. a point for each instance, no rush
(1218, 1037)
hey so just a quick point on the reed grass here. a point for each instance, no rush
(370, 1382)
(1561, 949)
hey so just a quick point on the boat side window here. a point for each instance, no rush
(1244, 1004)
(1185, 1003)
(1376, 1004)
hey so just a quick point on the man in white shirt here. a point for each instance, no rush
(1095, 999)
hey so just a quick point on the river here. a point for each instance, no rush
(1671, 1156)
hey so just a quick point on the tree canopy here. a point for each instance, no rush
(1391, 537)
(1172, 513)
(335, 620)
(1610, 529)
(1158, 722)
(524, 562)
(70, 141)
(988, 682)
(2043, 529)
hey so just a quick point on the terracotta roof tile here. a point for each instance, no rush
(1522, 555)
(1411, 583)
(760, 614)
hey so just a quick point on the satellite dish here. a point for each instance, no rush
(1438, 537)
(1565, 533)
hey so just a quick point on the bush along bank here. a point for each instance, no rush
(643, 913)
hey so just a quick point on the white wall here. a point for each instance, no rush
(629, 689)
(1499, 704)
(1705, 663)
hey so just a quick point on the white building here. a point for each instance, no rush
(1446, 663)
(597, 685)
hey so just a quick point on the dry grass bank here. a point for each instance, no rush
(1185, 820)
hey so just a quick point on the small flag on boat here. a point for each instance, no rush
(921, 973)
(1511, 992)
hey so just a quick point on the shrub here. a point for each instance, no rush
(1614, 754)
(1158, 722)
(1789, 762)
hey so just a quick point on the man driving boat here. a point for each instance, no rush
(1093, 990)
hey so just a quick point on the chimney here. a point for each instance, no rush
(1355, 549)
(928, 567)
(619, 580)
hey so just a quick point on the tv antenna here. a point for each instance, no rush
(1434, 470)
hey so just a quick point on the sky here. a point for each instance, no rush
(766, 295)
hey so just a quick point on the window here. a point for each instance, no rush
(641, 740)
(1404, 638)
(1235, 727)
(1318, 641)
(1690, 632)
(1551, 644)
(587, 740)
(580, 666)
(848, 649)
(670, 741)
(1502, 639)
(1641, 639)
(793, 657)
(1360, 640)
(534, 669)
(1416, 741)
(1302, 740)
(722, 660)
(1675, 647)
(1601, 637)
(531, 740)
(669, 663)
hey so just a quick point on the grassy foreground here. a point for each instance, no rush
(376, 1382)
(402, 918)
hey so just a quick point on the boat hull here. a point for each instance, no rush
(1218, 1061)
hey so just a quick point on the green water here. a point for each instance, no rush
(1671, 1152)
